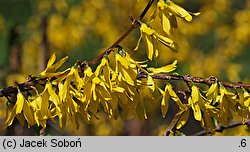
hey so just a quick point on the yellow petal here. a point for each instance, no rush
(167, 42)
(208, 121)
(125, 63)
(19, 102)
(127, 73)
(118, 89)
(150, 83)
(88, 72)
(212, 92)
(11, 113)
(53, 95)
(164, 102)
(128, 78)
(175, 97)
(173, 20)
(164, 69)
(224, 107)
(114, 102)
(52, 68)
(195, 108)
(138, 43)
(52, 59)
(96, 80)
(93, 91)
(44, 105)
(183, 119)
(93, 107)
(87, 94)
(195, 94)
(195, 14)
(63, 116)
(147, 30)
(197, 112)
(168, 21)
(104, 92)
(156, 49)
(63, 91)
(36, 104)
(100, 67)
(246, 98)
(28, 113)
(78, 79)
(149, 46)
(179, 11)
(57, 65)
(165, 22)
(195, 97)
(107, 75)
(36, 118)
(161, 4)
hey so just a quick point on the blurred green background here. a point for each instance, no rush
(214, 43)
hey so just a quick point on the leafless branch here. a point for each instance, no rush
(187, 78)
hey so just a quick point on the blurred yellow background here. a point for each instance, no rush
(214, 43)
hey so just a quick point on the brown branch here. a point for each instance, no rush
(13, 89)
(110, 49)
(26, 86)
(222, 128)
(146, 9)
(187, 78)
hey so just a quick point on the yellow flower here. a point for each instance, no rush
(164, 69)
(168, 11)
(170, 7)
(150, 38)
(166, 95)
(51, 68)
(21, 105)
(127, 69)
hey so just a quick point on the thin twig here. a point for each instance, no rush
(111, 48)
(134, 25)
(222, 128)
(146, 9)
(187, 78)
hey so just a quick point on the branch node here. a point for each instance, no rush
(212, 79)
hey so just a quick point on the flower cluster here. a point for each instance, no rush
(74, 95)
